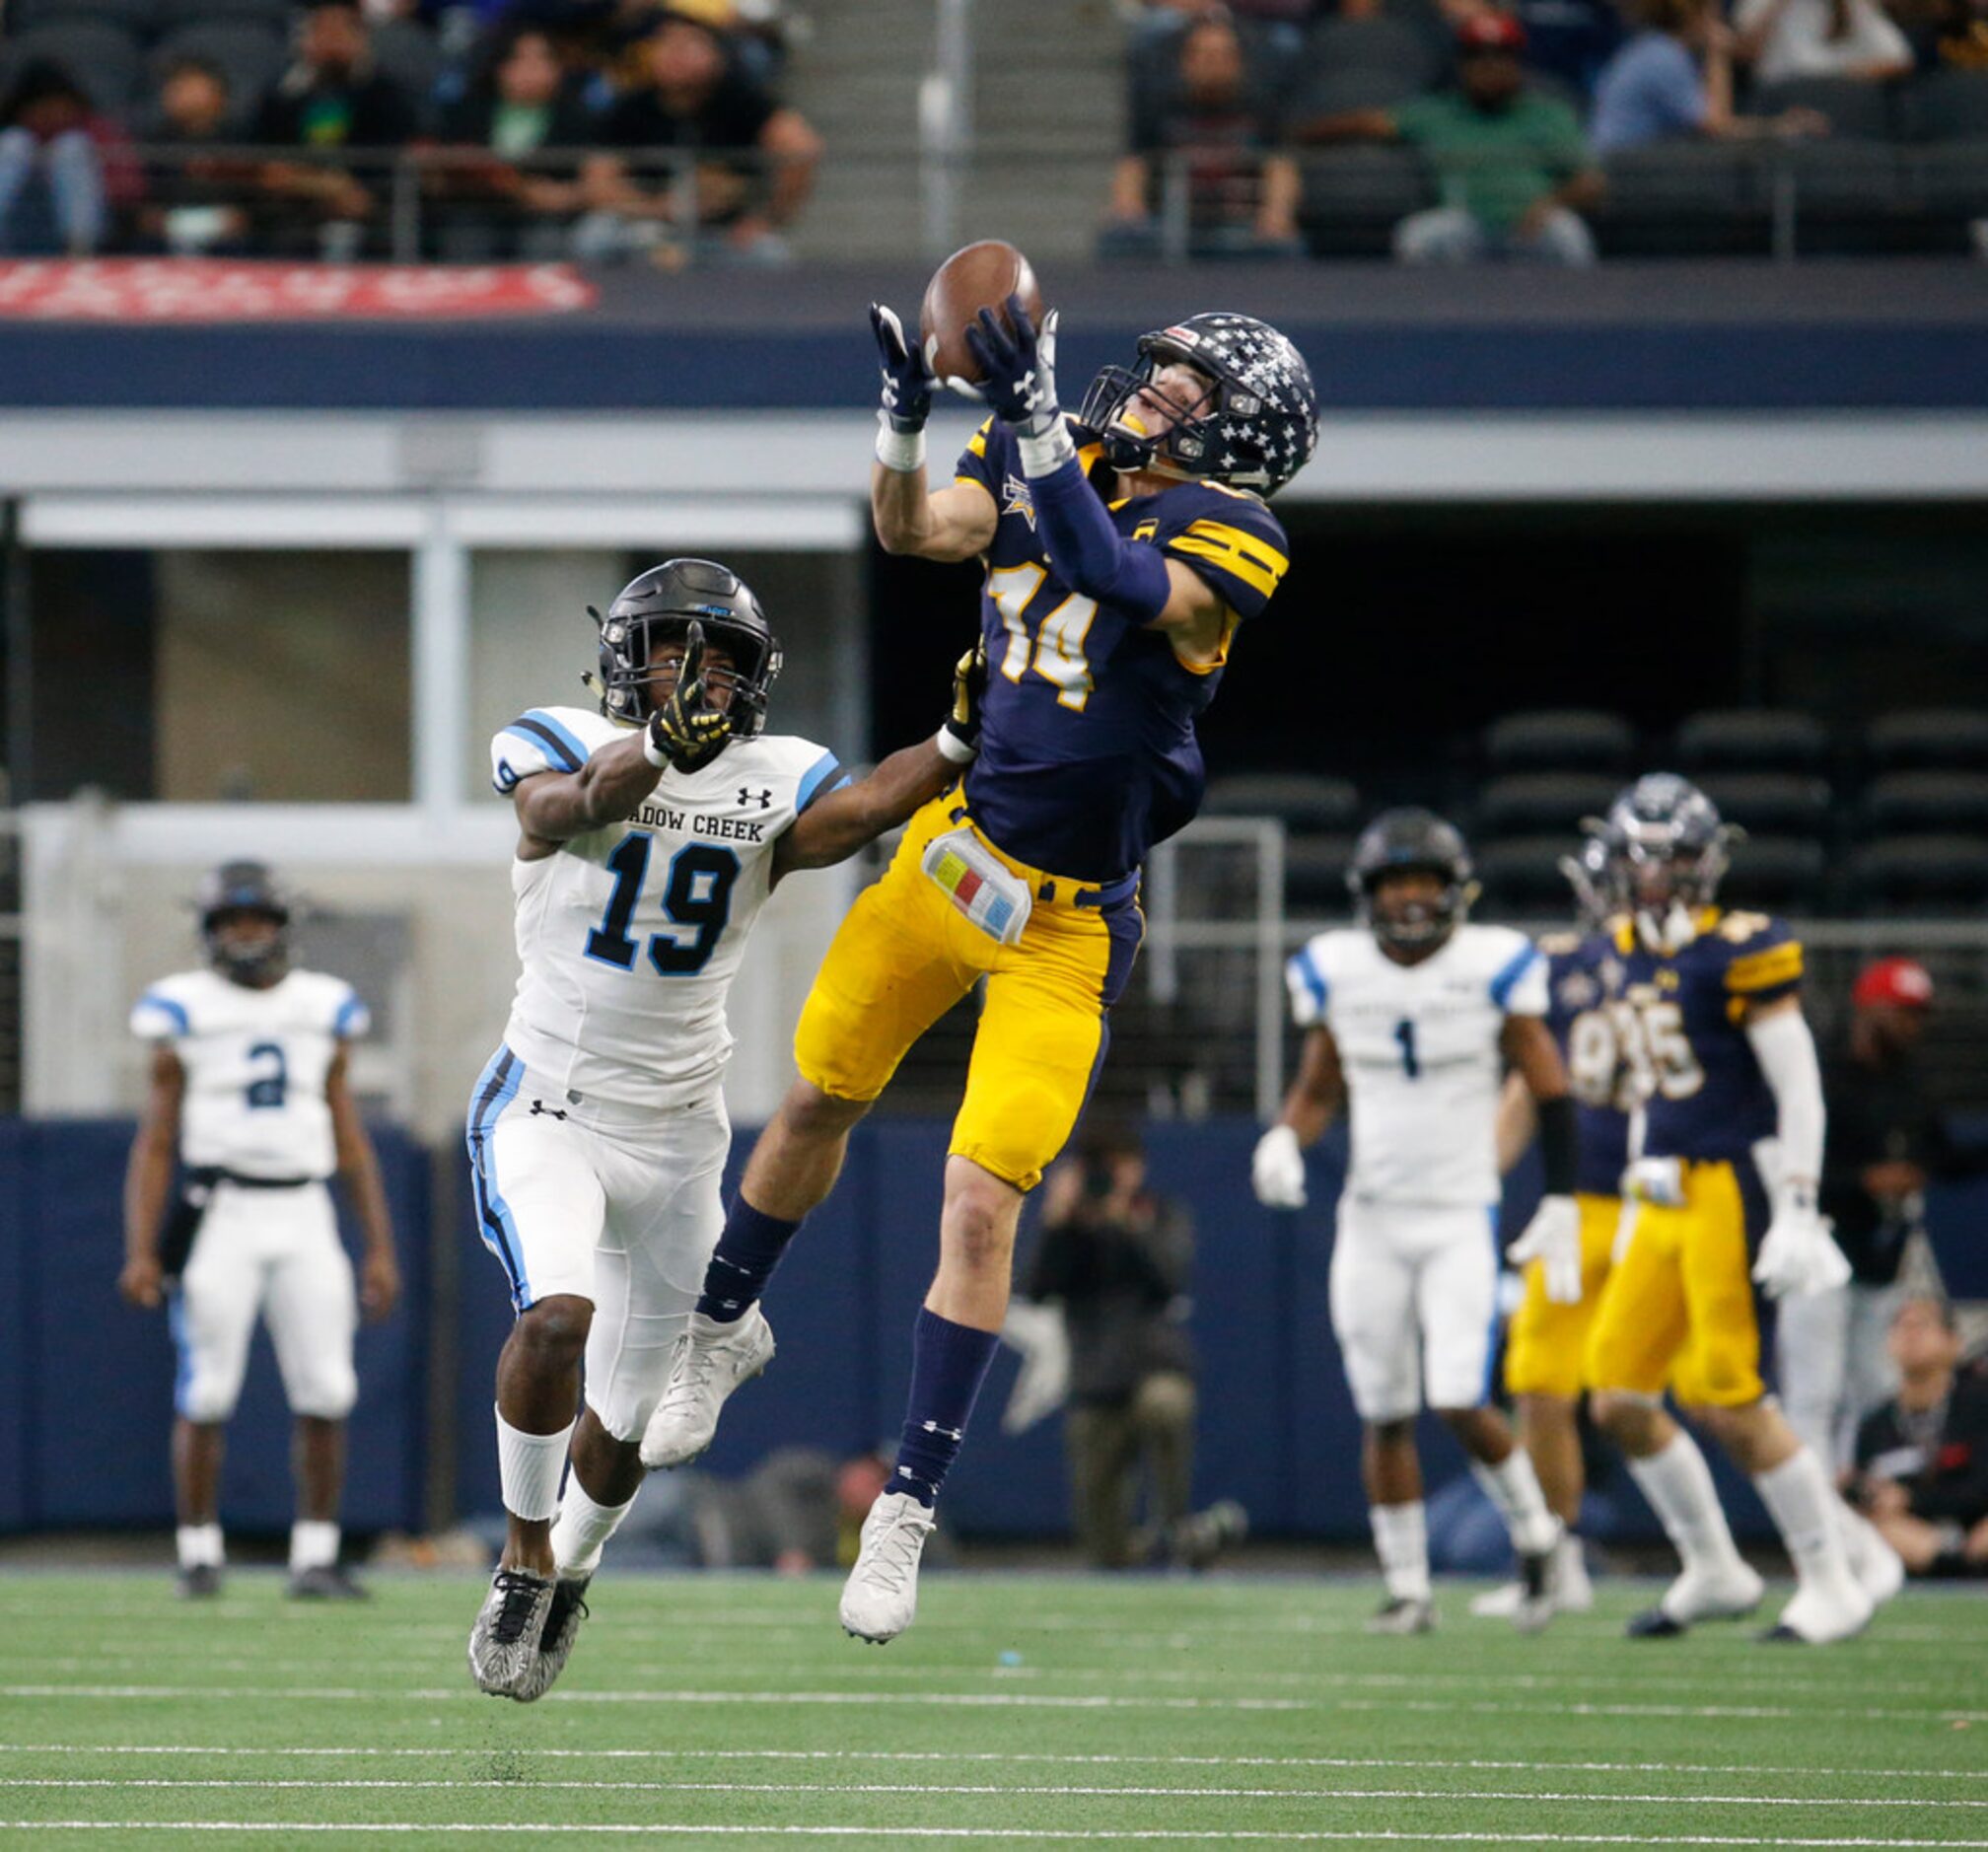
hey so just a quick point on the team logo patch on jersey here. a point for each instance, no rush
(747, 795)
(1017, 499)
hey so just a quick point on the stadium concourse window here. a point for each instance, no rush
(531, 639)
(199, 677)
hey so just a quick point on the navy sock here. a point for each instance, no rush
(743, 1261)
(949, 1363)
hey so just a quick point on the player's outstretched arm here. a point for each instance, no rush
(359, 1165)
(149, 1177)
(1518, 1123)
(950, 523)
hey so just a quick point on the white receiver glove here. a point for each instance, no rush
(1038, 1332)
(1553, 1238)
(1797, 1253)
(1277, 1169)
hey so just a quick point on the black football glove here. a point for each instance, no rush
(908, 380)
(686, 730)
(969, 683)
(1017, 367)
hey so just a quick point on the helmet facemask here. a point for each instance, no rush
(1419, 924)
(1113, 411)
(631, 650)
(256, 961)
(1664, 883)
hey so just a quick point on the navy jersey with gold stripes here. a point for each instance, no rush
(1706, 1096)
(1087, 754)
(1583, 972)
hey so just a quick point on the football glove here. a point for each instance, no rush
(1018, 368)
(686, 732)
(1798, 1255)
(1553, 1238)
(969, 683)
(1277, 1169)
(1038, 1332)
(908, 380)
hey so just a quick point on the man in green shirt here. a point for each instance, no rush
(1513, 166)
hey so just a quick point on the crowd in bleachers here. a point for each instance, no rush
(1453, 130)
(1893, 821)
(255, 126)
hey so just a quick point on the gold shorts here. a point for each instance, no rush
(1545, 1352)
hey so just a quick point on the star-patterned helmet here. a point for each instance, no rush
(1254, 429)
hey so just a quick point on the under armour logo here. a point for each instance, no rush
(765, 797)
(551, 1112)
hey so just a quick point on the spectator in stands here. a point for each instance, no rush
(1854, 39)
(1511, 164)
(332, 98)
(1282, 24)
(1116, 1257)
(56, 184)
(1922, 1460)
(520, 104)
(1673, 80)
(1208, 115)
(194, 203)
(1887, 1141)
(755, 160)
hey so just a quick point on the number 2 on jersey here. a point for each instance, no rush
(1058, 644)
(696, 893)
(269, 1089)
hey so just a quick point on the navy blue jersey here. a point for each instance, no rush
(1706, 1098)
(1087, 754)
(1583, 974)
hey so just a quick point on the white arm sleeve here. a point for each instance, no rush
(1787, 1055)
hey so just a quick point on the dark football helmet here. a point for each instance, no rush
(1412, 841)
(658, 607)
(1588, 873)
(244, 887)
(1254, 429)
(1666, 850)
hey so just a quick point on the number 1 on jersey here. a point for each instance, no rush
(1404, 1034)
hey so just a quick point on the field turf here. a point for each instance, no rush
(1022, 1710)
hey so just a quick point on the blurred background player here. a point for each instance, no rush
(650, 834)
(1108, 613)
(250, 1095)
(1887, 1140)
(1408, 1023)
(1731, 1133)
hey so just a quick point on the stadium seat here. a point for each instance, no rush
(1352, 198)
(1771, 803)
(1684, 198)
(1315, 874)
(1521, 877)
(408, 55)
(139, 17)
(1777, 875)
(1751, 739)
(1533, 803)
(1375, 44)
(1932, 738)
(250, 56)
(1857, 110)
(1570, 738)
(1306, 803)
(1943, 801)
(1947, 105)
(1923, 874)
(1356, 87)
(102, 58)
(272, 15)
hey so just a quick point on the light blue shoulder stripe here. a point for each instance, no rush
(814, 781)
(351, 1010)
(1516, 967)
(570, 739)
(1314, 979)
(176, 1011)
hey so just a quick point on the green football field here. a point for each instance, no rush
(1026, 1709)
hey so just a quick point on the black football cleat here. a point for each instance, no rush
(326, 1582)
(200, 1583)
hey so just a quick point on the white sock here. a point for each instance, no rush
(199, 1546)
(528, 1466)
(1678, 1485)
(314, 1544)
(1402, 1540)
(1514, 1488)
(584, 1528)
(1800, 1499)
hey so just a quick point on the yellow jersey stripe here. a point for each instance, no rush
(1780, 965)
(1257, 565)
(1258, 549)
(976, 444)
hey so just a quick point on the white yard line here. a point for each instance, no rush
(1531, 1797)
(899, 1830)
(1473, 1765)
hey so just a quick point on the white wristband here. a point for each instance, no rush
(901, 451)
(1046, 455)
(653, 754)
(952, 746)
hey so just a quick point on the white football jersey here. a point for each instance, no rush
(1419, 1047)
(628, 937)
(256, 1062)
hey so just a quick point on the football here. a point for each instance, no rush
(979, 276)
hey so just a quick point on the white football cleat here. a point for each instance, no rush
(1824, 1610)
(1878, 1568)
(504, 1642)
(1404, 1613)
(881, 1598)
(1573, 1592)
(710, 1360)
(1728, 1594)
